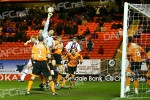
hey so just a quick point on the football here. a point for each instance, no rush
(50, 9)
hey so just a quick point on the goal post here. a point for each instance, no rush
(136, 24)
(124, 49)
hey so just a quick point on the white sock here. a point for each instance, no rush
(127, 87)
(24, 74)
(136, 90)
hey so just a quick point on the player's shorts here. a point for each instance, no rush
(40, 67)
(58, 58)
(136, 66)
(72, 70)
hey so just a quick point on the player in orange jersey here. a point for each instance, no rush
(135, 60)
(73, 60)
(134, 51)
(57, 54)
(39, 54)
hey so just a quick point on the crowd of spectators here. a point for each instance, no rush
(14, 29)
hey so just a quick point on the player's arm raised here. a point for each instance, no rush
(27, 42)
(45, 31)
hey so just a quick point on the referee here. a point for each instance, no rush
(39, 53)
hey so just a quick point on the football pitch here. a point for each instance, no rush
(13, 90)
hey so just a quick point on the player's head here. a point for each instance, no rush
(75, 39)
(51, 32)
(40, 38)
(59, 38)
(33, 38)
(40, 32)
(130, 39)
(73, 51)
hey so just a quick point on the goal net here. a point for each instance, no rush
(135, 76)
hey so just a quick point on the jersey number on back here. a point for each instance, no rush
(40, 54)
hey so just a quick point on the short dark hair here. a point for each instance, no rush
(130, 39)
(40, 38)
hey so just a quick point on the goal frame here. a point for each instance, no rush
(141, 9)
(124, 50)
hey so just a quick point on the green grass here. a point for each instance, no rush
(82, 91)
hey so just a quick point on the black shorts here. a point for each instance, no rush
(58, 58)
(72, 70)
(136, 66)
(40, 67)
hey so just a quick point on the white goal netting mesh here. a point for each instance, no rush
(137, 76)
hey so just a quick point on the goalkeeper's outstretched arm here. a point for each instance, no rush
(45, 31)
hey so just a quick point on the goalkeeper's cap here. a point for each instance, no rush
(40, 38)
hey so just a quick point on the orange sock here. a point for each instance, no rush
(64, 82)
(52, 86)
(148, 82)
(43, 79)
(128, 81)
(136, 84)
(59, 78)
(29, 85)
(71, 81)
